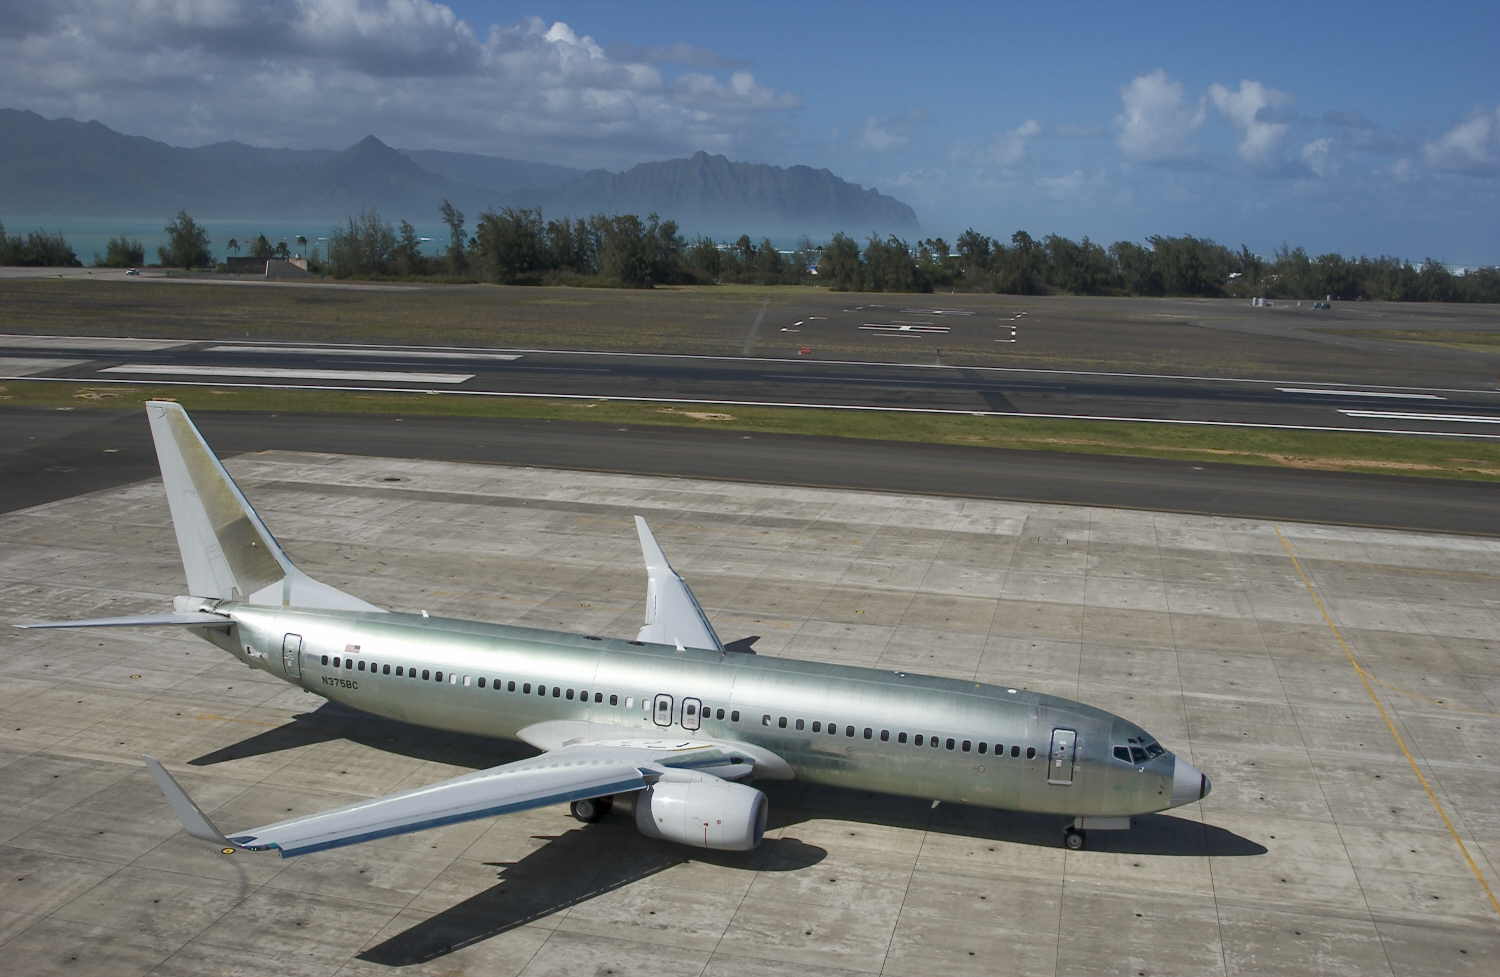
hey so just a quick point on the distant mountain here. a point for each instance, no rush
(712, 194)
(65, 168)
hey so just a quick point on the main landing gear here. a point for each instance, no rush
(591, 809)
(1075, 835)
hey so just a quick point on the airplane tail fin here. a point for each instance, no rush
(227, 551)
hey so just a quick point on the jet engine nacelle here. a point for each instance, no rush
(704, 812)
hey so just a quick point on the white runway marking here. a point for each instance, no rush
(1400, 416)
(1358, 393)
(765, 403)
(346, 351)
(898, 327)
(289, 374)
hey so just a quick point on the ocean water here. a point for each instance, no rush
(90, 236)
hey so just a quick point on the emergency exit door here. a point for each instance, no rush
(1060, 758)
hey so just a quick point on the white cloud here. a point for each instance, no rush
(1318, 158)
(1472, 146)
(894, 132)
(325, 72)
(1157, 123)
(1009, 147)
(1251, 109)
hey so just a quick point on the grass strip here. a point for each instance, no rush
(1320, 450)
(1473, 340)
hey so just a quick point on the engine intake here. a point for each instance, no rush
(704, 812)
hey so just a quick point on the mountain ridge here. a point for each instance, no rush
(66, 167)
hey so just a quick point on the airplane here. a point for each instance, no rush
(673, 717)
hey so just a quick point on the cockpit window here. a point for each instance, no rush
(1121, 753)
(1137, 755)
(1154, 749)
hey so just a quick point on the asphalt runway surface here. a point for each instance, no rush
(1294, 401)
(47, 455)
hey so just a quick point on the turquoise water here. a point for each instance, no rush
(90, 235)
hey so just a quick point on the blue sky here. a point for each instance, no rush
(1364, 128)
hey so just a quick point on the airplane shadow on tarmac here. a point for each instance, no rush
(591, 860)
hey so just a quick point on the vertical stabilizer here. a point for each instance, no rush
(673, 615)
(227, 551)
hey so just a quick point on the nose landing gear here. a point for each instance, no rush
(1075, 836)
(1074, 839)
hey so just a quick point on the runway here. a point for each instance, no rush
(1246, 645)
(1292, 402)
(47, 455)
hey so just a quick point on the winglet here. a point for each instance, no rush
(673, 615)
(194, 821)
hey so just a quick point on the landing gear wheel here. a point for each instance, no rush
(591, 809)
(1074, 839)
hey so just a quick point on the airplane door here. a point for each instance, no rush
(662, 709)
(291, 655)
(1060, 759)
(690, 713)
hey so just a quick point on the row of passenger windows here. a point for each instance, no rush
(917, 739)
(501, 685)
(932, 741)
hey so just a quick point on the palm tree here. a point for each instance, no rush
(233, 245)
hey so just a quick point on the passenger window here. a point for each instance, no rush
(614, 700)
(817, 726)
(900, 737)
(598, 697)
(848, 730)
(437, 676)
(570, 693)
(348, 662)
(526, 688)
(982, 746)
(362, 668)
(885, 736)
(467, 680)
(629, 701)
(765, 719)
(719, 714)
(734, 717)
(541, 690)
(1121, 753)
(917, 739)
(932, 741)
(965, 746)
(799, 724)
(869, 733)
(400, 671)
(510, 686)
(1031, 753)
(385, 669)
(335, 661)
(692, 710)
(557, 692)
(426, 675)
(325, 659)
(781, 722)
(950, 742)
(1015, 751)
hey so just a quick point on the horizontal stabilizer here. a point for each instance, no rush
(138, 621)
(673, 615)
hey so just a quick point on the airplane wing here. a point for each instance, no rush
(579, 770)
(192, 619)
(673, 616)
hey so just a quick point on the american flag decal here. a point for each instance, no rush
(351, 649)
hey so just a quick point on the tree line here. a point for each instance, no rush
(520, 246)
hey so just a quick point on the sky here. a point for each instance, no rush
(1369, 128)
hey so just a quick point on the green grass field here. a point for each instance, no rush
(1327, 451)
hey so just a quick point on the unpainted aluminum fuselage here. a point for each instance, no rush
(661, 691)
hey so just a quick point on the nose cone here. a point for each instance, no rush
(1188, 783)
